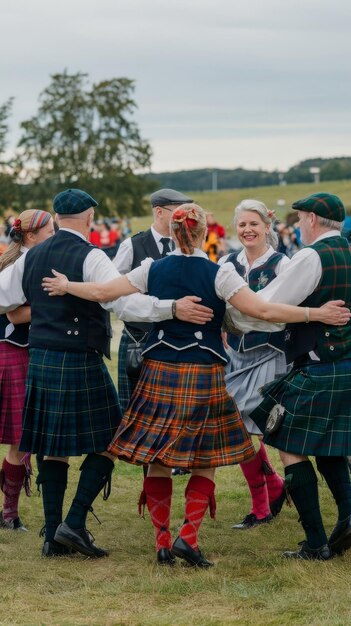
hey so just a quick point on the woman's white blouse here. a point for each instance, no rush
(227, 282)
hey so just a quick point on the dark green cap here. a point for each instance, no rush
(324, 204)
(72, 202)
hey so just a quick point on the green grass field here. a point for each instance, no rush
(222, 203)
(250, 584)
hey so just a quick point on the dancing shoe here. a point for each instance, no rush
(165, 557)
(250, 521)
(193, 557)
(306, 553)
(51, 548)
(340, 539)
(79, 539)
(12, 524)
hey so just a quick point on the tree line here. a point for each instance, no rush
(205, 179)
(85, 136)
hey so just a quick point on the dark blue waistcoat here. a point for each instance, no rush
(258, 278)
(172, 340)
(18, 335)
(63, 322)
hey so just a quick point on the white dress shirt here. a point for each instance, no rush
(97, 267)
(297, 280)
(123, 260)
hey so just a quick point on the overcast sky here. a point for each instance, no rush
(219, 83)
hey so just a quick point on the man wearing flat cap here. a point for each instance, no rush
(307, 412)
(71, 405)
(154, 243)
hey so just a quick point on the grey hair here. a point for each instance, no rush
(249, 204)
(332, 224)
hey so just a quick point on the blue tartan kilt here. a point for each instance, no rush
(71, 405)
(317, 410)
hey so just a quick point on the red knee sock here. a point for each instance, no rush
(12, 480)
(158, 493)
(199, 494)
(256, 481)
(275, 483)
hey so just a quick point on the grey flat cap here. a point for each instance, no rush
(163, 197)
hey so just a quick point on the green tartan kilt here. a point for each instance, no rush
(71, 406)
(317, 416)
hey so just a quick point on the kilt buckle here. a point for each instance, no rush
(275, 418)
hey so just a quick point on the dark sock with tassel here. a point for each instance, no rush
(96, 471)
(336, 473)
(302, 484)
(53, 480)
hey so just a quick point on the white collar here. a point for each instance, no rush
(242, 258)
(197, 252)
(329, 233)
(74, 232)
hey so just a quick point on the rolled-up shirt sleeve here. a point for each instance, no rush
(134, 308)
(11, 292)
(296, 280)
(228, 281)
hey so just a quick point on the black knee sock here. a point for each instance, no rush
(95, 473)
(336, 473)
(301, 481)
(53, 479)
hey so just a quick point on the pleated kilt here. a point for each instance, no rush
(245, 374)
(125, 387)
(181, 415)
(317, 418)
(71, 406)
(13, 372)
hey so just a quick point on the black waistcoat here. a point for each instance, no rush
(144, 246)
(63, 322)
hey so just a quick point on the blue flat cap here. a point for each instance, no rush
(72, 202)
(163, 197)
(323, 204)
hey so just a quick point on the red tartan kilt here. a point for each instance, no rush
(13, 372)
(180, 415)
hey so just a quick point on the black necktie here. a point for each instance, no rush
(166, 246)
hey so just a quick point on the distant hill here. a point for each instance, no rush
(206, 179)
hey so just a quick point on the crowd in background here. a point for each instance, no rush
(108, 233)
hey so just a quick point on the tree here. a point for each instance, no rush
(86, 137)
(8, 190)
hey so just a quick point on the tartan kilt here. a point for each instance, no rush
(317, 418)
(13, 372)
(124, 384)
(71, 406)
(180, 415)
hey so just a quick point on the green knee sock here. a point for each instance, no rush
(336, 473)
(301, 481)
(95, 473)
(53, 479)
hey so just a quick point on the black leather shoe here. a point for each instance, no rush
(79, 539)
(276, 505)
(165, 557)
(340, 539)
(194, 557)
(251, 520)
(306, 553)
(12, 524)
(51, 548)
